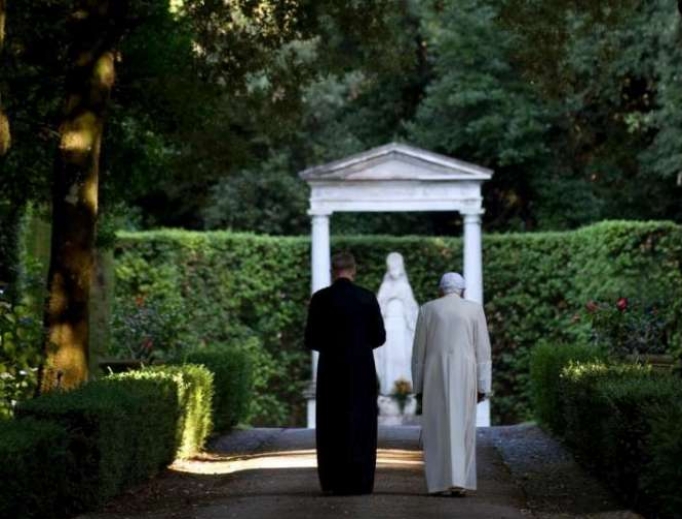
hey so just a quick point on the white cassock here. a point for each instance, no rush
(450, 365)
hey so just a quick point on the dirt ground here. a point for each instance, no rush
(270, 473)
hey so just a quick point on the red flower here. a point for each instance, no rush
(622, 304)
(592, 306)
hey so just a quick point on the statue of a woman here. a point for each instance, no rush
(399, 310)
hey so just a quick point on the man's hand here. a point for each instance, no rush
(481, 397)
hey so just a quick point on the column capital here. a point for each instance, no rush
(472, 216)
(319, 212)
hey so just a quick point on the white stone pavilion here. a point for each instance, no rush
(396, 178)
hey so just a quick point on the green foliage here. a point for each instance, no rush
(547, 362)
(20, 353)
(477, 106)
(146, 325)
(578, 383)
(233, 374)
(34, 469)
(663, 478)
(233, 286)
(629, 328)
(267, 200)
(120, 432)
(71, 452)
(195, 389)
(622, 420)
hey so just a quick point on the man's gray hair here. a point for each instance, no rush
(452, 282)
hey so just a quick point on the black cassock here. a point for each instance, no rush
(345, 325)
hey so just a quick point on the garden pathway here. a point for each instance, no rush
(270, 473)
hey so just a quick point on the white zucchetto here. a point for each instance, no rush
(452, 282)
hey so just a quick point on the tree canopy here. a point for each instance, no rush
(573, 103)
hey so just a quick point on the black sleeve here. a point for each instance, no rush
(377, 331)
(314, 326)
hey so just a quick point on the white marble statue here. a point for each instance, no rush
(400, 310)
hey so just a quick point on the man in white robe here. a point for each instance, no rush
(451, 369)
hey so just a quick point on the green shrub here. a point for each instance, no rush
(20, 335)
(583, 403)
(232, 370)
(120, 432)
(194, 386)
(34, 469)
(536, 286)
(546, 365)
(663, 478)
(624, 422)
(627, 454)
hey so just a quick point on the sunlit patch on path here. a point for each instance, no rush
(217, 464)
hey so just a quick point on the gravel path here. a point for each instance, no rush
(270, 473)
(555, 486)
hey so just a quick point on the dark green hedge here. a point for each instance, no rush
(68, 452)
(232, 371)
(613, 413)
(223, 286)
(194, 387)
(624, 421)
(34, 459)
(547, 363)
(120, 432)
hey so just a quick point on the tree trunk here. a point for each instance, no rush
(4, 123)
(97, 28)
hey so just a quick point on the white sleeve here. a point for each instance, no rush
(483, 355)
(419, 354)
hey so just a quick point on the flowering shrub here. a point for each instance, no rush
(629, 327)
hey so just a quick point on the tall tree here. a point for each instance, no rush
(96, 28)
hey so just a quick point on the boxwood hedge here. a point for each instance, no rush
(223, 286)
(624, 421)
(33, 469)
(67, 452)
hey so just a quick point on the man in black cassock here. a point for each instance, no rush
(345, 325)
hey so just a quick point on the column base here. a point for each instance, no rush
(311, 404)
(483, 414)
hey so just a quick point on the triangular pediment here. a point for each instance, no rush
(396, 162)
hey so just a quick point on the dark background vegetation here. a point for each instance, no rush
(574, 104)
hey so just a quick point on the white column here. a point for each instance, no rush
(473, 257)
(321, 278)
(473, 274)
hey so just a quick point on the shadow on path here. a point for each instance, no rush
(271, 474)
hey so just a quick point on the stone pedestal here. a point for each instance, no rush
(390, 414)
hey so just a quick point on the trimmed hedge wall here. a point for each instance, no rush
(232, 371)
(194, 387)
(224, 286)
(120, 432)
(548, 362)
(624, 421)
(33, 471)
(68, 452)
